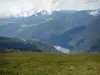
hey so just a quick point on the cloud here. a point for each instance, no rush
(28, 7)
(79, 4)
(22, 7)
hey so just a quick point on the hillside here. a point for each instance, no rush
(89, 40)
(20, 45)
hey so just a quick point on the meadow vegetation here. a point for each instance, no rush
(28, 63)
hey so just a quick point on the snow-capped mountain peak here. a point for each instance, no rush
(20, 13)
(95, 12)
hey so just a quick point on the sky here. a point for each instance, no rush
(29, 7)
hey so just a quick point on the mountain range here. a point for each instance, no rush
(65, 28)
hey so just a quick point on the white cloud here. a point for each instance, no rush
(22, 7)
(79, 4)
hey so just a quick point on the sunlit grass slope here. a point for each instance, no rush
(49, 64)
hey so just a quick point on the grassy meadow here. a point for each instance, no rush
(49, 64)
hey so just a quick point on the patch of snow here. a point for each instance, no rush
(61, 49)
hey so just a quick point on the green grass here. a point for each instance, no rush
(49, 64)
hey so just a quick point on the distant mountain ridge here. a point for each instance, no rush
(42, 25)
